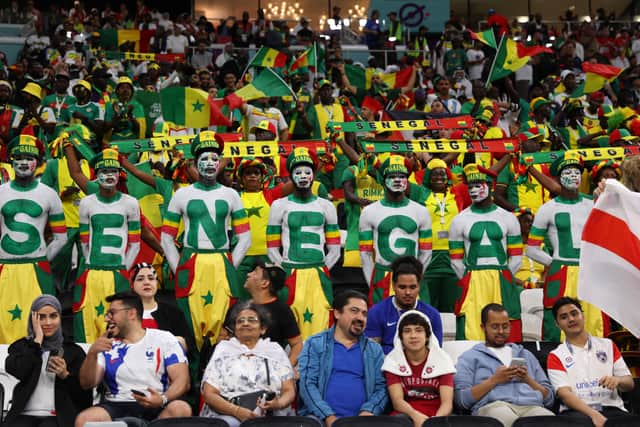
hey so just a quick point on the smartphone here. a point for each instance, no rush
(139, 393)
(517, 362)
(268, 396)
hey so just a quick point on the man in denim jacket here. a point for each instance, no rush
(340, 369)
(500, 380)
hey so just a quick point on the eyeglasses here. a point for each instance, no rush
(113, 311)
(247, 320)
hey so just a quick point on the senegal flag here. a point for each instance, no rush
(190, 107)
(266, 84)
(361, 78)
(112, 39)
(511, 56)
(308, 59)
(267, 57)
(487, 37)
(596, 75)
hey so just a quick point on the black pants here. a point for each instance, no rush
(607, 411)
(28, 421)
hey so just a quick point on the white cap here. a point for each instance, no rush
(565, 73)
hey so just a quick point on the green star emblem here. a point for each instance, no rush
(530, 187)
(307, 315)
(254, 211)
(100, 309)
(208, 298)
(16, 313)
(197, 106)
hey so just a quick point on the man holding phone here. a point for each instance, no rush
(500, 380)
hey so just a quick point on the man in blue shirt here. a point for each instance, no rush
(340, 369)
(406, 274)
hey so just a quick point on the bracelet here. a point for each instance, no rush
(165, 401)
(235, 414)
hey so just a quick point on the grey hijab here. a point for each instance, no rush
(53, 342)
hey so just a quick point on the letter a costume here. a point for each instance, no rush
(485, 246)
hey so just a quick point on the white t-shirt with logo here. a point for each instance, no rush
(140, 365)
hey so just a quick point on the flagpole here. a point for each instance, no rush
(494, 61)
(315, 59)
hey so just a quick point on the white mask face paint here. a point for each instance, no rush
(478, 191)
(108, 178)
(302, 176)
(571, 178)
(25, 166)
(208, 165)
(396, 182)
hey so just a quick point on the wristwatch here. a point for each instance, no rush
(165, 401)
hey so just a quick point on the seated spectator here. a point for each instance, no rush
(46, 365)
(406, 274)
(499, 380)
(137, 385)
(340, 370)
(247, 367)
(157, 314)
(419, 373)
(226, 55)
(177, 42)
(587, 372)
(202, 58)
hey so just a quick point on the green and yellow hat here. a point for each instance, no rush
(207, 141)
(107, 158)
(27, 145)
(486, 115)
(569, 158)
(394, 164)
(33, 89)
(249, 162)
(301, 156)
(85, 84)
(474, 173)
(537, 103)
(124, 80)
(435, 163)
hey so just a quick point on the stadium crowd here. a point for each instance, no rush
(97, 204)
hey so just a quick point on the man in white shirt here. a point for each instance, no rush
(145, 370)
(177, 42)
(261, 110)
(226, 55)
(587, 372)
(475, 61)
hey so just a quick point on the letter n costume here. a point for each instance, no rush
(205, 275)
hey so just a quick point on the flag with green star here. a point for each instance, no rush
(190, 107)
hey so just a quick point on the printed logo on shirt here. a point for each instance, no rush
(602, 356)
(568, 362)
(429, 369)
(403, 368)
(149, 354)
(391, 323)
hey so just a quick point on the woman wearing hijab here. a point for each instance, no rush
(243, 365)
(47, 367)
(419, 373)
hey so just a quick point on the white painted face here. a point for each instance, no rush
(24, 166)
(108, 178)
(571, 178)
(208, 164)
(396, 182)
(478, 191)
(302, 176)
